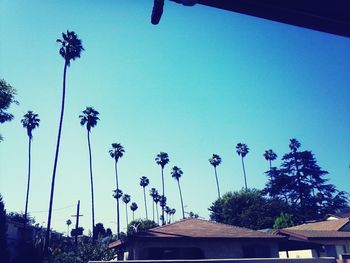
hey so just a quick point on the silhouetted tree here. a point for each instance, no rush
(173, 211)
(99, 231)
(242, 150)
(215, 161)
(167, 210)
(71, 47)
(156, 199)
(144, 181)
(68, 222)
(30, 121)
(133, 208)
(126, 199)
(301, 183)
(7, 97)
(162, 159)
(283, 220)
(270, 156)
(4, 254)
(118, 193)
(140, 225)
(90, 118)
(153, 193)
(176, 173)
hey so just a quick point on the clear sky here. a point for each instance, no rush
(201, 81)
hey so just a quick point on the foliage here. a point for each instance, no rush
(71, 46)
(4, 254)
(215, 160)
(117, 151)
(19, 218)
(302, 185)
(77, 232)
(89, 117)
(246, 208)
(30, 121)
(162, 159)
(283, 220)
(7, 97)
(140, 225)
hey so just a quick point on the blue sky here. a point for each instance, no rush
(201, 81)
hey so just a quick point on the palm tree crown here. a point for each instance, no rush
(162, 159)
(144, 181)
(89, 117)
(294, 145)
(153, 192)
(215, 160)
(242, 149)
(270, 155)
(126, 198)
(176, 173)
(30, 121)
(117, 151)
(117, 193)
(133, 207)
(71, 46)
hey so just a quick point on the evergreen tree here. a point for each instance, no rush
(301, 183)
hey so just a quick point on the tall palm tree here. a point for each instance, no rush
(30, 121)
(68, 222)
(167, 210)
(144, 181)
(215, 161)
(242, 150)
(133, 208)
(162, 159)
(117, 194)
(270, 156)
(162, 203)
(173, 211)
(156, 199)
(71, 47)
(153, 193)
(117, 152)
(90, 118)
(176, 173)
(126, 199)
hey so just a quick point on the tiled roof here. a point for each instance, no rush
(197, 228)
(315, 234)
(321, 226)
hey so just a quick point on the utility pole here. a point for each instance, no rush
(77, 224)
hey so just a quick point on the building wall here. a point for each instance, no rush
(217, 248)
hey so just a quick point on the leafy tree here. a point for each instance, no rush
(301, 183)
(270, 156)
(116, 152)
(242, 150)
(144, 181)
(283, 220)
(176, 173)
(215, 161)
(153, 193)
(246, 208)
(7, 97)
(19, 218)
(90, 118)
(71, 47)
(30, 121)
(4, 254)
(133, 208)
(99, 230)
(140, 225)
(162, 159)
(77, 232)
(126, 199)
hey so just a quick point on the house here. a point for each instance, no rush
(193, 238)
(333, 234)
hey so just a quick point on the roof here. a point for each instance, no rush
(327, 225)
(314, 234)
(198, 228)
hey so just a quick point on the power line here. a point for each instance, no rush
(57, 209)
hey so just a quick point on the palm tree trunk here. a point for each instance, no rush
(92, 188)
(270, 164)
(126, 213)
(163, 222)
(182, 203)
(133, 215)
(217, 181)
(118, 223)
(144, 198)
(153, 210)
(47, 237)
(28, 183)
(245, 178)
(157, 214)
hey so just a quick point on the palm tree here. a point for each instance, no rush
(242, 150)
(30, 121)
(133, 208)
(167, 210)
(117, 152)
(162, 203)
(215, 161)
(176, 173)
(270, 156)
(144, 181)
(153, 193)
(71, 47)
(117, 194)
(126, 199)
(90, 118)
(162, 159)
(173, 211)
(156, 199)
(68, 222)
